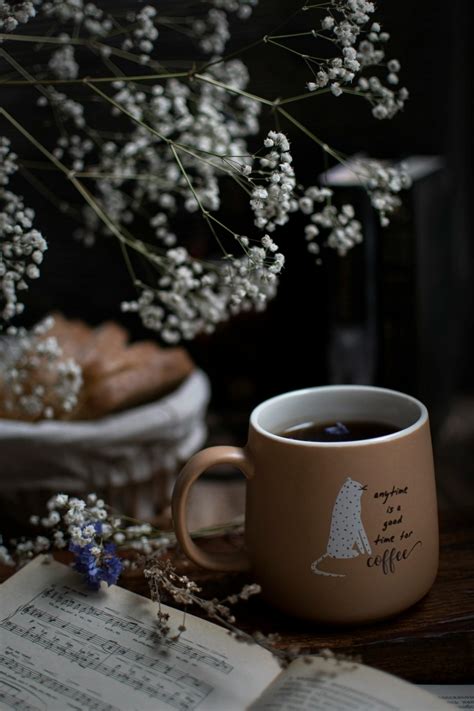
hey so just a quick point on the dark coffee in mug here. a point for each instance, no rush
(347, 431)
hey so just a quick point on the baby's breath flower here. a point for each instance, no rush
(190, 300)
(185, 134)
(342, 230)
(21, 245)
(59, 501)
(273, 201)
(59, 540)
(144, 32)
(383, 185)
(14, 13)
(30, 359)
(63, 63)
(362, 46)
(214, 32)
(5, 557)
(242, 8)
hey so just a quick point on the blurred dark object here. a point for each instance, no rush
(454, 455)
(396, 307)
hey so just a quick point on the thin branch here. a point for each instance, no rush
(136, 245)
(81, 42)
(306, 95)
(205, 213)
(96, 80)
(90, 84)
(312, 7)
(187, 149)
(309, 133)
(23, 72)
(48, 194)
(186, 177)
(237, 52)
(293, 34)
(231, 89)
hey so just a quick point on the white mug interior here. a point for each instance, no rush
(336, 403)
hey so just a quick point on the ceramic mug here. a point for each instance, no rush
(339, 532)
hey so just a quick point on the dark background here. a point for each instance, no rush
(421, 339)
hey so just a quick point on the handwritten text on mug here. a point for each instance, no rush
(390, 533)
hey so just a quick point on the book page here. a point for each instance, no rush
(322, 684)
(65, 647)
(461, 696)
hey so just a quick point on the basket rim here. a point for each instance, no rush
(184, 404)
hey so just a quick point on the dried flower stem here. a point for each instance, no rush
(203, 115)
(136, 245)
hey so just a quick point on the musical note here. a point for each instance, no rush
(64, 601)
(63, 647)
(85, 700)
(39, 626)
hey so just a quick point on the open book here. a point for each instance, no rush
(63, 647)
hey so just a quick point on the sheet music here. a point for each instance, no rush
(322, 684)
(65, 647)
(459, 695)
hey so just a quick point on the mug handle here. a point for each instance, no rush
(201, 461)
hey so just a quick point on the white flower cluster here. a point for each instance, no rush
(211, 125)
(354, 14)
(72, 150)
(343, 230)
(213, 31)
(144, 33)
(190, 299)
(140, 538)
(21, 245)
(5, 557)
(272, 202)
(340, 71)
(386, 101)
(84, 14)
(153, 151)
(8, 164)
(63, 63)
(36, 380)
(69, 520)
(242, 8)
(65, 107)
(28, 549)
(14, 13)
(73, 520)
(336, 71)
(383, 184)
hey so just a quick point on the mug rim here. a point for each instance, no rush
(421, 420)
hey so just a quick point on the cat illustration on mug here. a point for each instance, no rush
(347, 536)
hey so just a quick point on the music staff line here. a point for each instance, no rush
(110, 646)
(190, 652)
(13, 702)
(184, 699)
(87, 702)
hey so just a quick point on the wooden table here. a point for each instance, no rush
(433, 642)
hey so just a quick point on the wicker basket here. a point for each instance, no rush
(129, 457)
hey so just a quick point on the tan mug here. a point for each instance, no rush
(339, 532)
